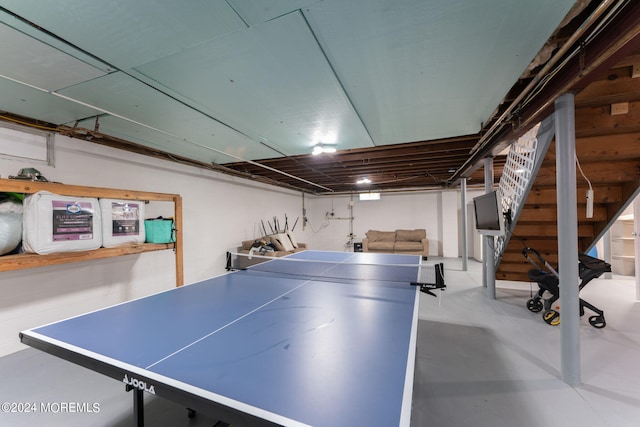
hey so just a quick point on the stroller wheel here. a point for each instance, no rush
(597, 322)
(535, 305)
(552, 317)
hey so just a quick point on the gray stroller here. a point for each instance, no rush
(548, 281)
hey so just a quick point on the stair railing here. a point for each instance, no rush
(523, 163)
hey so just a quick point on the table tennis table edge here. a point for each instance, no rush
(407, 395)
(165, 387)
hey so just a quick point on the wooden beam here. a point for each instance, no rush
(616, 86)
(608, 147)
(518, 258)
(542, 213)
(598, 121)
(507, 267)
(548, 230)
(30, 187)
(178, 249)
(602, 194)
(601, 172)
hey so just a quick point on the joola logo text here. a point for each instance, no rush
(140, 385)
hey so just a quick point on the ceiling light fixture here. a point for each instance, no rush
(363, 180)
(319, 149)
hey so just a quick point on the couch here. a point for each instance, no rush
(284, 244)
(397, 242)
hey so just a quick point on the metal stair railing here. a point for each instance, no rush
(523, 163)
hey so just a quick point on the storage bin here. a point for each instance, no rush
(122, 222)
(54, 223)
(159, 230)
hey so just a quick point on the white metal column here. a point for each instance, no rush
(488, 254)
(636, 243)
(568, 238)
(606, 251)
(463, 220)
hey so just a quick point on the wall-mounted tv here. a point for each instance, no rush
(489, 215)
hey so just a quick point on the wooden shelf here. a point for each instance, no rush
(23, 261)
(622, 251)
(30, 187)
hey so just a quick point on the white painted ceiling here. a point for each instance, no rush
(226, 81)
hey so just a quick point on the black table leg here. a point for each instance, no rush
(138, 407)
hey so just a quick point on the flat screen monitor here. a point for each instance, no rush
(488, 213)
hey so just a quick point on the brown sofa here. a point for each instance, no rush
(397, 242)
(284, 243)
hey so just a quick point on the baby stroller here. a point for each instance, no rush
(548, 280)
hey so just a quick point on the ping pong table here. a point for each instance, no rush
(253, 347)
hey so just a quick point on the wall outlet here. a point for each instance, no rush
(619, 108)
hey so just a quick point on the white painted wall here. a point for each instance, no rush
(450, 227)
(393, 211)
(219, 212)
(434, 211)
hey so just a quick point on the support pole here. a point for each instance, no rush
(636, 243)
(463, 202)
(138, 407)
(568, 239)
(606, 251)
(489, 264)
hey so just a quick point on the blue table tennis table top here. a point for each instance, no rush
(286, 350)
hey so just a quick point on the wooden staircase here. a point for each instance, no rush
(608, 149)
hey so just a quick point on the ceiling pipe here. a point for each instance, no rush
(630, 38)
(496, 131)
(479, 187)
(486, 138)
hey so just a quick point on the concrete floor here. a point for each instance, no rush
(485, 362)
(480, 362)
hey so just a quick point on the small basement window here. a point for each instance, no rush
(370, 196)
(24, 143)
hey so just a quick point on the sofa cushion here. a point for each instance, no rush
(372, 235)
(408, 246)
(247, 244)
(381, 246)
(411, 235)
(387, 236)
(381, 236)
